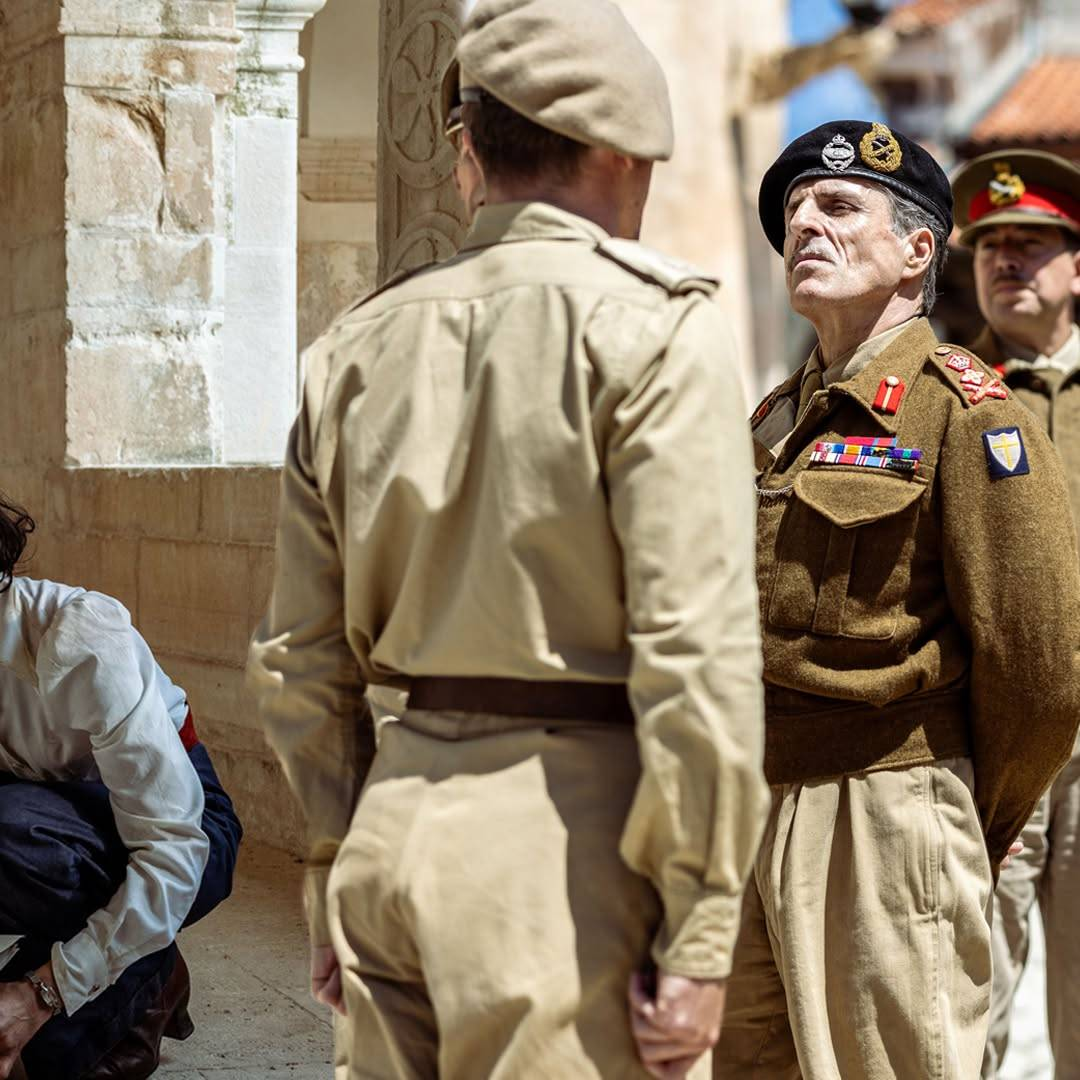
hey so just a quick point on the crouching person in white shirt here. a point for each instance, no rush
(114, 833)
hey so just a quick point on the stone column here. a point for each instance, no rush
(259, 366)
(419, 213)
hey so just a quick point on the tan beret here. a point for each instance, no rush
(572, 66)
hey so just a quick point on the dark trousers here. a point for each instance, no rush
(61, 860)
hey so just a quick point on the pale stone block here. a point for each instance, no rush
(142, 269)
(33, 427)
(25, 484)
(89, 322)
(105, 564)
(262, 562)
(115, 167)
(38, 275)
(259, 359)
(266, 182)
(189, 159)
(193, 599)
(137, 402)
(32, 168)
(29, 23)
(167, 18)
(239, 505)
(331, 277)
(154, 502)
(124, 63)
(265, 804)
(217, 695)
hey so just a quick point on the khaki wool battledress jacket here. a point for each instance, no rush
(1052, 395)
(910, 617)
(530, 462)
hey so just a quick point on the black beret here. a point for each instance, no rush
(847, 148)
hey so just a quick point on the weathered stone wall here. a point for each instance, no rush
(338, 258)
(117, 194)
(703, 204)
(32, 257)
(144, 87)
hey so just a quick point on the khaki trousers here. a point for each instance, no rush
(485, 923)
(1047, 870)
(864, 952)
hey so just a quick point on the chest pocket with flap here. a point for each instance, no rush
(843, 552)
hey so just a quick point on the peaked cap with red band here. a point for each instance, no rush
(1016, 187)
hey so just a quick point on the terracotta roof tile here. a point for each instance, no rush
(1040, 107)
(927, 14)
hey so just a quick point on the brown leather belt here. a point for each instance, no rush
(603, 702)
(811, 738)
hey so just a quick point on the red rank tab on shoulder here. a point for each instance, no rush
(889, 395)
(958, 362)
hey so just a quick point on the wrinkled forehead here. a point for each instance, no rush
(824, 187)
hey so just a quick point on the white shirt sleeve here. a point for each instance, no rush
(95, 673)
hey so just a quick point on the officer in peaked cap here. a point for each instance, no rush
(539, 871)
(921, 675)
(1019, 210)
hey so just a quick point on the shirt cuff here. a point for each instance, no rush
(315, 879)
(81, 970)
(697, 938)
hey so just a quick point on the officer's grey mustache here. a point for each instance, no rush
(815, 249)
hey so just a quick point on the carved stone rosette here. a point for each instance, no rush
(420, 217)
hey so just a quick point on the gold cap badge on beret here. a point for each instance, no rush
(880, 150)
(838, 154)
(1006, 187)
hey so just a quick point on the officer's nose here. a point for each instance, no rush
(804, 224)
(1006, 259)
(805, 219)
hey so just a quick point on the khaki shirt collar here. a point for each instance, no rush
(855, 360)
(902, 354)
(1066, 360)
(504, 223)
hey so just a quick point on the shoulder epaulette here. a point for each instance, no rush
(389, 283)
(676, 276)
(974, 381)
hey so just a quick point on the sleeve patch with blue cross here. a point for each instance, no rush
(1005, 453)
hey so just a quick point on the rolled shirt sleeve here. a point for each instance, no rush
(680, 475)
(301, 667)
(95, 674)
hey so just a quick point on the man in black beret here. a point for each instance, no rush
(920, 652)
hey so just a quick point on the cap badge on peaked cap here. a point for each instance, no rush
(1006, 188)
(838, 154)
(880, 150)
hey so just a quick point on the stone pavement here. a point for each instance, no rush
(1028, 1056)
(254, 1018)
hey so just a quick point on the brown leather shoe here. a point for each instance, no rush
(137, 1054)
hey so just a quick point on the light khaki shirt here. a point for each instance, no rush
(531, 461)
(1065, 361)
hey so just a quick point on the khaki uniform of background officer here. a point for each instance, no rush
(1020, 211)
(920, 603)
(485, 502)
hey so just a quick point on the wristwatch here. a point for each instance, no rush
(48, 994)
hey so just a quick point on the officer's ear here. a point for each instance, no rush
(918, 253)
(1074, 249)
